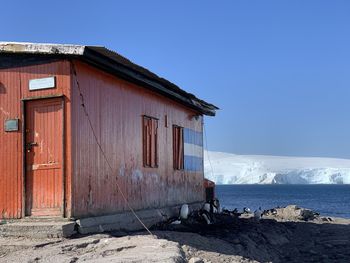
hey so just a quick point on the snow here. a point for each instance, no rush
(227, 168)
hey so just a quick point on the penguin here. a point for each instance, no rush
(206, 215)
(246, 210)
(268, 212)
(225, 211)
(184, 211)
(258, 214)
(215, 206)
(206, 207)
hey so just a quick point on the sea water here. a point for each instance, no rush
(328, 200)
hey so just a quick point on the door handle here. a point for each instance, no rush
(30, 145)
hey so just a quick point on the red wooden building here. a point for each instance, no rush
(68, 112)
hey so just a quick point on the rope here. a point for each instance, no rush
(102, 151)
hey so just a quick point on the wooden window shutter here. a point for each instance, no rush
(154, 143)
(150, 142)
(145, 142)
(178, 148)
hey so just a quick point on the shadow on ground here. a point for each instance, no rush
(266, 240)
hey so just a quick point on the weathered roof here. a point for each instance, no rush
(114, 63)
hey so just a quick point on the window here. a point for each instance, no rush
(150, 142)
(178, 147)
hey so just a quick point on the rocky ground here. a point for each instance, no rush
(284, 236)
(94, 248)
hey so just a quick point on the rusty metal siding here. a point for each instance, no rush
(116, 108)
(14, 88)
(10, 154)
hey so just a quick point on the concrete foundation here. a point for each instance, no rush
(38, 228)
(126, 221)
(60, 227)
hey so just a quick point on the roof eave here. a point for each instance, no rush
(92, 57)
(109, 61)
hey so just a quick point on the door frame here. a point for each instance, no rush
(24, 101)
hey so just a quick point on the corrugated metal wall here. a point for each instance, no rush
(116, 108)
(10, 151)
(13, 88)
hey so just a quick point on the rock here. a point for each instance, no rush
(338, 242)
(236, 241)
(277, 240)
(196, 260)
(307, 214)
(293, 212)
(328, 245)
(239, 248)
(340, 256)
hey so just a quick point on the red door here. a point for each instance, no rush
(44, 155)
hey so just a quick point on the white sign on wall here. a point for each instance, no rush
(44, 83)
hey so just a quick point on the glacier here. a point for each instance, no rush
(228, 168)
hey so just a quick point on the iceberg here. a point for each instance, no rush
(228, 168)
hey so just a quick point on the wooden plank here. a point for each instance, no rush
(44, 128)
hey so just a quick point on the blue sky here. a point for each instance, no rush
(279, 70)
